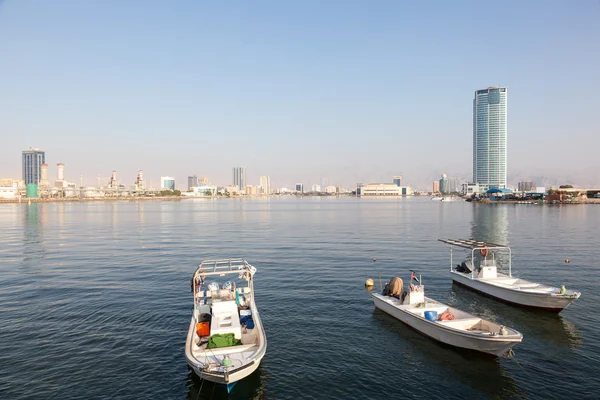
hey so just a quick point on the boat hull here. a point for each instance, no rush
(496, 347)
(232, 376)
(541, 301)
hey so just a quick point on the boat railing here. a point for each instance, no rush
(482, 247)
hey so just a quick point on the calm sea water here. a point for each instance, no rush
(95, 300)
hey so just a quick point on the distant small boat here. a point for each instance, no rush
(485, 278)
(437, 198)
(226, 340)
(447, 324)
(448, 198)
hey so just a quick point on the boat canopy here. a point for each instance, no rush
(224, 266)
(472, 244)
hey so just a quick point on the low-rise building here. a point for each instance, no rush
(9, 188)
(385, 189)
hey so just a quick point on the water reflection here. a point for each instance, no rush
(33, 248)
(478, 371)
(490, 224)
(251, 387)
(543, 325)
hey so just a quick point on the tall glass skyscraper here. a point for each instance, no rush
(32, 165)
(489, 137)
(239, 177)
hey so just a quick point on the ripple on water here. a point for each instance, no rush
(95, 298)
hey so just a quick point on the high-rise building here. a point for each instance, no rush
(192, 182)
(526, 186)
(453, 185)
(444, 184)
(139, 181)
(265, 184)
(166, 182)
(239, 178)
(397, 180)
(32, 165)
(489, 137)
(299, 187)
(436, 187)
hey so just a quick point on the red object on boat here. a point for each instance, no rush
(203, 328)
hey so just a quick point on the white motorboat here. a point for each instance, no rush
(447, 324)
(486, 278)
(226, 340)
(448, 198)
(437, 198)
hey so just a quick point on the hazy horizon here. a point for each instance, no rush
(329, 93)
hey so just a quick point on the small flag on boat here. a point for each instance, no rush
(413, 277)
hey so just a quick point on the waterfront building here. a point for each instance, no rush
(203, 180)
(299, 187)
(239, 178)
(526, 186)
(330, 189)
(139, 181)
(202, 191)
(316, 188)
(470, 189)
(9, 189)
(251, 190)
(489, 137)
(384, 189)
(32, 165)
(453, 185)
(436, 187)
(192, 182)
(444, 184)
(265, 184)
(397, 180)
(167, 182)
(232, 189)
(113, 183)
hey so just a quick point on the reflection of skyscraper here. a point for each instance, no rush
(489, 137)
(239, 177)
(32, 165)
(490, 224)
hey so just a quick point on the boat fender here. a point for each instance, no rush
(369, 282)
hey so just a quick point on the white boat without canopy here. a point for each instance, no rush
(227, 310)
(486, 279)
(465, 330)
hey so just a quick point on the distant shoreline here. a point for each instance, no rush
(90, 199)
(179, 198)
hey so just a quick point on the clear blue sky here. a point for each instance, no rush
(339, 91)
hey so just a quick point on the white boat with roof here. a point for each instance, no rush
(480, 272)
(226, 340)
(441, 322)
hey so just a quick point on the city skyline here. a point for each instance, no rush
(307, 92)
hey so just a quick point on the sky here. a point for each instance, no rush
(328, 92)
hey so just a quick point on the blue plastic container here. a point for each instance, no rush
(431, 315)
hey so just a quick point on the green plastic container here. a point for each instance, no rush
(32, 191)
